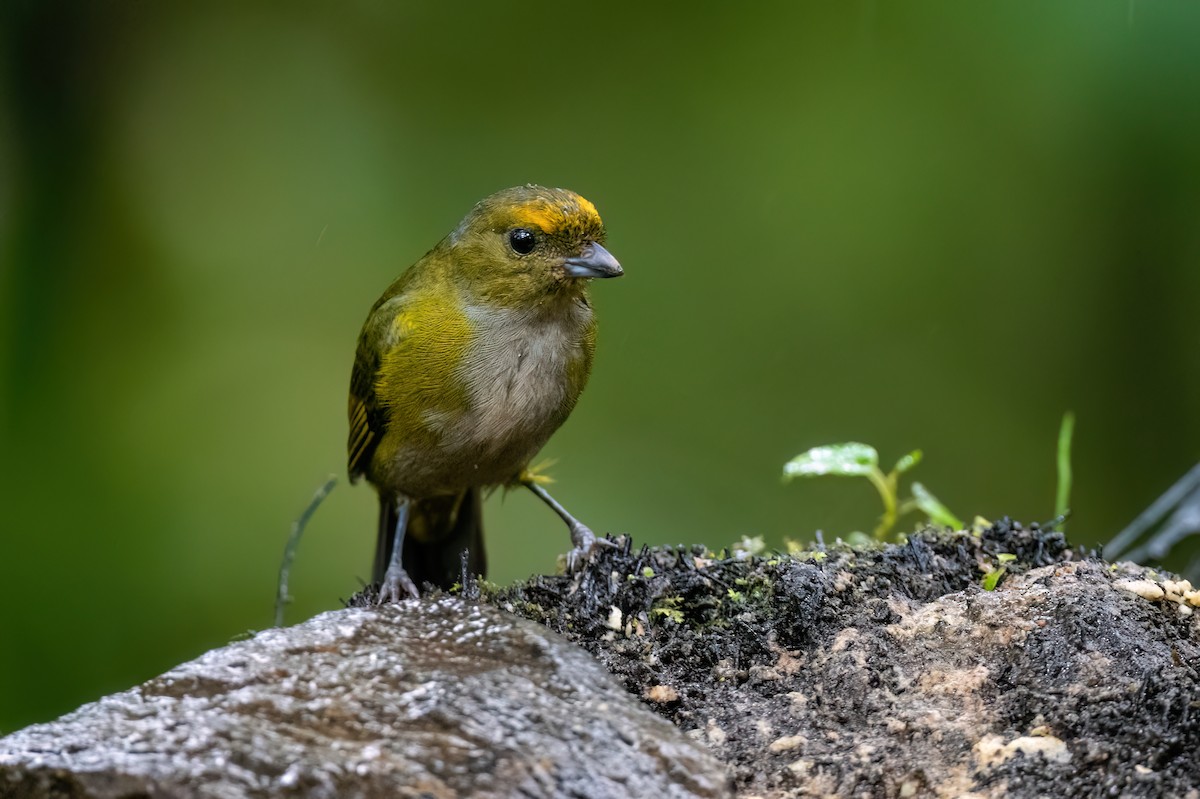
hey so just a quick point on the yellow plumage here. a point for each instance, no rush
(465, 366)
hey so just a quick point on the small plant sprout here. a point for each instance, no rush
(748, 547)
(1062, 498)
(992, 574)
(861, 460)
(924, 501)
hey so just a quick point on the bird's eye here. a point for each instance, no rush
(521, 240)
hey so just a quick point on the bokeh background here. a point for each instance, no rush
(920, 224)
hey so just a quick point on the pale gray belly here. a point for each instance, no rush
(519, 391)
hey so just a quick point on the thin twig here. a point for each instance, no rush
(293, 543)
(1155, 513)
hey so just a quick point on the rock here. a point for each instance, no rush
(884, 671)
(434, 699)
(890, 671)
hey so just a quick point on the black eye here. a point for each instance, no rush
(521, 240)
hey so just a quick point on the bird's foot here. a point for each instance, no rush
(586, 545)
(395, 581)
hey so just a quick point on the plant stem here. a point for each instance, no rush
(1062, 499)
(886, 486)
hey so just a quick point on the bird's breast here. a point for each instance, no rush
(523, 374)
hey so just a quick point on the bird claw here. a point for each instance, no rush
(586, 545)
(395, 580)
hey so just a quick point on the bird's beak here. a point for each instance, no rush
(593, 261)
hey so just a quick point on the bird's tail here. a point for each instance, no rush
(439, 530)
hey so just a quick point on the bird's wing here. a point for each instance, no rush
(368, 418)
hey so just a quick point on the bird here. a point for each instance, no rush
(465, 366)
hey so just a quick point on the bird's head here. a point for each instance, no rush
(527, 242)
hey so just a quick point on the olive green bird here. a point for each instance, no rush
(465, 367)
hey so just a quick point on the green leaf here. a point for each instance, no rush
(1006, 557)
(859, 539)
(849, 460)
(992, 578)
(933, 508)
(907, 462)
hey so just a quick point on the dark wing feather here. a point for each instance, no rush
(367, 418)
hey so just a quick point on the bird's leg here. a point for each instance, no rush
(395, 578)
(582, 537)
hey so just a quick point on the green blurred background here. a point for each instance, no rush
(932, 225)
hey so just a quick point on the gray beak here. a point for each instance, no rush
(593, 261)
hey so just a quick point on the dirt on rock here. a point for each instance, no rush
(892, 672)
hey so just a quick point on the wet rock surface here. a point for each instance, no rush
(879, 672)
(435, 699)
(892, 672)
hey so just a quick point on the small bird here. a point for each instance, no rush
(465, 366)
